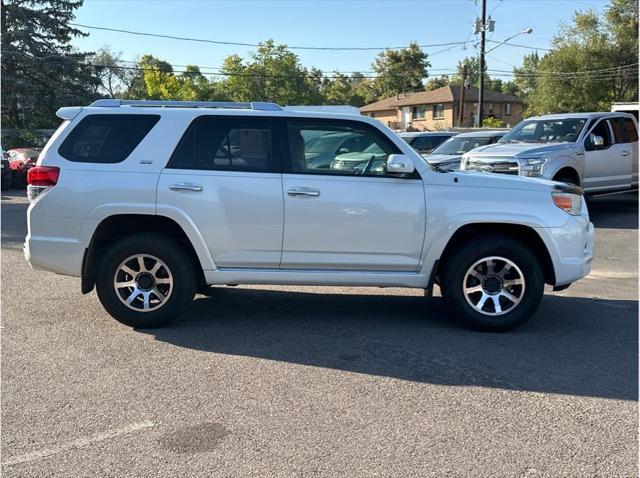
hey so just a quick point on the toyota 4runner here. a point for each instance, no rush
(151, 201)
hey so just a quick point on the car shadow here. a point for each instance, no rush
(574, 346)
(615, 211)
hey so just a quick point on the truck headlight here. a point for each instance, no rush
(533, 166)
(572, 203)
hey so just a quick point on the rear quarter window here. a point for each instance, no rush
(108, 138)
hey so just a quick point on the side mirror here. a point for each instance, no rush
(344, 151)
(596, 140)
(400, 164)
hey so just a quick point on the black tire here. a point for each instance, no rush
(454, 279)
(180, 269)
(567, 178)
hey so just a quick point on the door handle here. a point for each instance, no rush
(303, 192)
(185, 187)
(625, 153)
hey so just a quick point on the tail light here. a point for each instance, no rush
(41, 178)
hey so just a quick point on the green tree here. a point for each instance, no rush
(40, 70)
(438, 82)
(525, 76)
(587, 69)
(401, 70)
(273, 73)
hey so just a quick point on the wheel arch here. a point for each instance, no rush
(117, 226)
(522, 233)
(569, 171)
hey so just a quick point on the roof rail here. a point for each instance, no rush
(254, 105)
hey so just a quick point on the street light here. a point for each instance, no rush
(527, 31)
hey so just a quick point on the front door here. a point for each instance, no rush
(354, 215)
(223, 176)
(603, 170)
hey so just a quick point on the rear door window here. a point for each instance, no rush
(108, 138)
(624, 130)
(227, 144)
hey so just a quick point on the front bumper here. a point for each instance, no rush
(570, 248)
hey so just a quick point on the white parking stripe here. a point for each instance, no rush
(80, 443)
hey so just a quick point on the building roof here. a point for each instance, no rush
(446, 94)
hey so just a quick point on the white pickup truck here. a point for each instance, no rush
(151, 201)
(596, 151)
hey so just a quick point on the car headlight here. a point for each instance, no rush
(571, 203)
(533, 166)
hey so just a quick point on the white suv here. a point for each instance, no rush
(152, 201)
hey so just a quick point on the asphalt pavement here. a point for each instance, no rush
(322, 381)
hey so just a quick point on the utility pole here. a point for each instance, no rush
(464, 85)
(483, 31)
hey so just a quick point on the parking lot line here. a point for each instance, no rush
(79, 443)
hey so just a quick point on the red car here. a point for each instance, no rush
(20, 161)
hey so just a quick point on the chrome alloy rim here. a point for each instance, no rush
(143, 282)
(493, 286)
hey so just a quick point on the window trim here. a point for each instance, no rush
(287, 163)
(435, 108)
(274, 164)
(75, 127)
(414, 116)
(611, 135)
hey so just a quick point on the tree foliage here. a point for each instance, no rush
(40, 70)
(401, 70)
(590, 42)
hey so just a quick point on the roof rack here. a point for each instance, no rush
(254, 105)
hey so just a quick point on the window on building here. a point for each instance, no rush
(438, 110)
(507, 108)
(418, 112)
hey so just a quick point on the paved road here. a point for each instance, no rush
(306, 381)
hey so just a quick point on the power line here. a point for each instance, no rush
(294, 47)
(613, 72)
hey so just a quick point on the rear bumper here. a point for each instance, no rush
(60, 255)
(570, 248)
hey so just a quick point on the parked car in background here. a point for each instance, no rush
(370, 160)
(20, 161)
(321, 149)
(426, 141)
(448, 155)
(597, 151)
(6, 175)
(150, 201)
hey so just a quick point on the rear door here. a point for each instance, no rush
(625, 134)
(224, 176)
(356, 219)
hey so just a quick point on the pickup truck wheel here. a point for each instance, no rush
(493, 284)
(146, 280)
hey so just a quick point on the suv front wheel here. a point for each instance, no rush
(146, 280)
(493, 283)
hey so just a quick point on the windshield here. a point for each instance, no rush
(546, 131)
(460, 145)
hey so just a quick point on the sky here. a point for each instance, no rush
(326, 23)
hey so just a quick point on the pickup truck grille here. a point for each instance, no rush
(493, 165)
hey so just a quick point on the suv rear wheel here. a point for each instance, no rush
(146, 280)
(493, 284)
